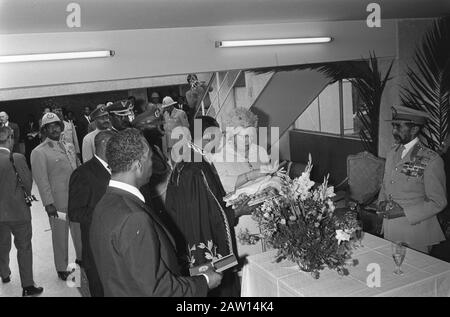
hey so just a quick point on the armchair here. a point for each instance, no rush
(361, 187)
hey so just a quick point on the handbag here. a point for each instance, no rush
(29, 198)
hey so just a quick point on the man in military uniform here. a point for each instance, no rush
(52, 163)
(121, 114)
(413, 189)
(101, 117)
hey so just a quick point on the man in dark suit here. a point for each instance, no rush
(15, 216)
(83, 124)
(87, 186)
(134, 252)
(4, 121)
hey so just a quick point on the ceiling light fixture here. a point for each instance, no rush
(54, 56)
(290, 41)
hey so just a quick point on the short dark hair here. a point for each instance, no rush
(5, 134)
(125, 148)
(207, 122)
(102, 136)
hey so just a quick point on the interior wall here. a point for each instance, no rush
(143, 53)
(409, 34)
(329, 154)
(286, 96)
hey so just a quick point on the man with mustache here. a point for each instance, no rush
(413, 190)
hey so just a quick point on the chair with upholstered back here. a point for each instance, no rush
(365, 176)
(363, 183)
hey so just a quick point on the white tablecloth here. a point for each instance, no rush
(423, 275)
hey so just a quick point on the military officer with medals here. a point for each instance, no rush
(413, 190)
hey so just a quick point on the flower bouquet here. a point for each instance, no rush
(300, 223)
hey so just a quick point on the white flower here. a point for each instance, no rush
(283, 221)
(330, 192)
(341, 235)
(266, 215)
(292, 218)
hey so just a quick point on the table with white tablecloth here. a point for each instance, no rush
(423, 275)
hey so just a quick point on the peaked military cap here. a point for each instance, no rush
(151, 118)
(121, 108)
(405, 114)
(98, 112)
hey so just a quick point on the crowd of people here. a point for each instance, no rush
(141, 219)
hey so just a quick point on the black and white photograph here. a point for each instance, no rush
(231, 151)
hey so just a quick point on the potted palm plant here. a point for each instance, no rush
(429, 83)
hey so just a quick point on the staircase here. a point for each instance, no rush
(278, 98)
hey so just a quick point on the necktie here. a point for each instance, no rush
(402, 151)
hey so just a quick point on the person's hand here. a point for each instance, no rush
(242, 208)
(51, 211)
(396, 211)
(214, 278)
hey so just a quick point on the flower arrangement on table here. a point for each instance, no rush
(300, 223)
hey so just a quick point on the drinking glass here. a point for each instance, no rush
(359, 233)
(398, 254)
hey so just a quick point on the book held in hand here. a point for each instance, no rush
(219, 265)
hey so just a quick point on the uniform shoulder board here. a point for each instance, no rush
(432, 154)
(428, 152)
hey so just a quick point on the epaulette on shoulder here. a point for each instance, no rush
(426, 151)
(432, 154)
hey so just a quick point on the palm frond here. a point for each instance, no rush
(429, 84)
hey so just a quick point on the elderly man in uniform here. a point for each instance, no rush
(413, 190)
(52, 163)
(101, 117)
(121, 114)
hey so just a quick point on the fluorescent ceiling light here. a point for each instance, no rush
(54, 56)
(299, 40)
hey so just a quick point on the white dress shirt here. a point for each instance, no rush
(409, 146)
(105, 165)
(126, 187)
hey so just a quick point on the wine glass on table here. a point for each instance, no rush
(359, 233)
(398, 253)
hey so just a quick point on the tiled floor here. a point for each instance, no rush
(44, 268)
